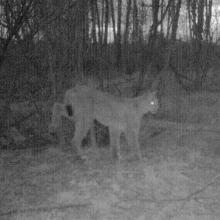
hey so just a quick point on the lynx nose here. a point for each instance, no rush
(155, 106)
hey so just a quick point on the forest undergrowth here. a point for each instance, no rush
(179, 177)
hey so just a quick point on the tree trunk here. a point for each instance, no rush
(135, 22)
(200, 20)
(113, 19)
(153, 29)
(98, 22)
(106, 22)
(102, 16)
(169, 16)
(155, 10)
(175, 19)
(190, 19)
(161, 13)
(127, 22)
(119, 34)
(208, 19)
(126, 33)
(93, 18)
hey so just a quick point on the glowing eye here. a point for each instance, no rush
(152, 103)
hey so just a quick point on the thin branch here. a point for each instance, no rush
(46, 209)
(24, 118)
(165, 12)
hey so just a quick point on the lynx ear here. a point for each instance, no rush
(153, 93)
(156, 83)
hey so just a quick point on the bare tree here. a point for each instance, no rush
(106, 22)
(155, 13)
(135, 22)
(200, 23)
(14, 16)
(98, 22)
(189, 18)
(197, 8)
(126, 33)
(119, 33)
(113, 19)
(208, 9)
(93, 21)
(197, 11)
(175, 18)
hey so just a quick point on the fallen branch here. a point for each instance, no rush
(182, 126)
(203, 188)
(45, 209)
(18, 122)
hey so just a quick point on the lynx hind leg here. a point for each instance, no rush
(82, 126)
(115, 135)
(93, 135)
(132, 139)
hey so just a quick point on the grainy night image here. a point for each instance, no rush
(109, 110)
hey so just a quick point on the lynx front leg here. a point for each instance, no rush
(81, 128)
(137, 144)
(61, 135)
(132, 139)
(93, 135)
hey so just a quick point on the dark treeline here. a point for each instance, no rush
(45, 43)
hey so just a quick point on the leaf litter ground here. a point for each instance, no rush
(179, 178)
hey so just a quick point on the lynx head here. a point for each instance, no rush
(150, 103)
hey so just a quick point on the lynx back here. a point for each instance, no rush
(120, 115)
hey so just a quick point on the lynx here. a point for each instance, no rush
(121, 115)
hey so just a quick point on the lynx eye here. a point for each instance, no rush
(152, 103)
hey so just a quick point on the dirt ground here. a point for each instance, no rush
(178, 179)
